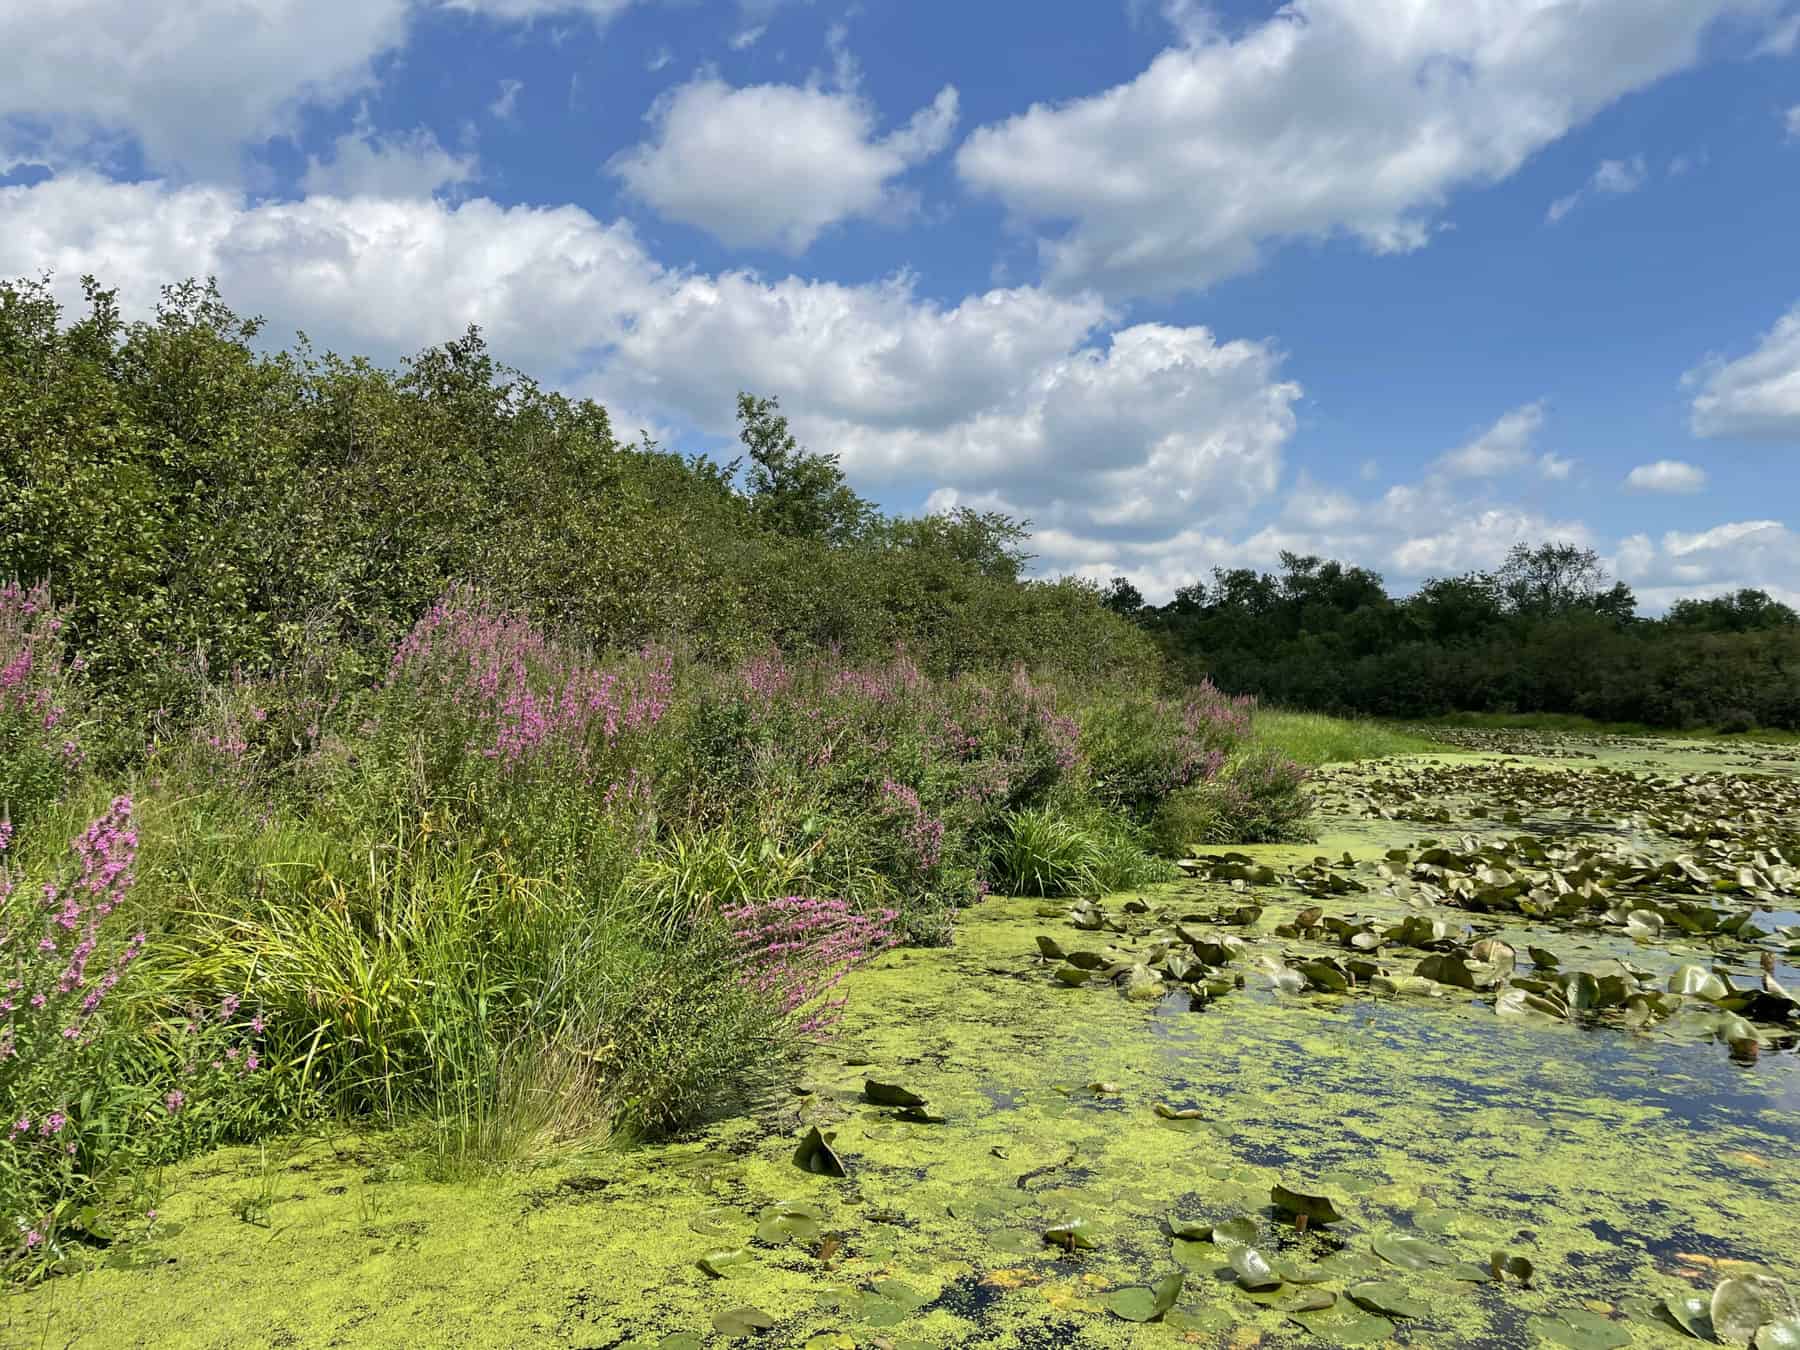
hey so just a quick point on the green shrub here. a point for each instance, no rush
(1259, 798)
(1044, 852)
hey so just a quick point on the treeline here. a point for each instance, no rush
(203, 505)
(1548, 632)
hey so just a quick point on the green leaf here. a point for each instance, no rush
(1410, 1253)
(1071, 1236)
(739, 1322)
(723, 1264)
(1692, 1313)
(1382, 1296)
(1138, 1304)
(1741, 1305)
(1253, 1268)
(1317, 1208)
(1579, 1329)
(1781, 1334)
(815, 1155)
(890, 1094)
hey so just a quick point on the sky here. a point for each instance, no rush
(1400, 282)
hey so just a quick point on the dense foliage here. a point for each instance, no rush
(196, 501)
(402, 750)
(1548, 632)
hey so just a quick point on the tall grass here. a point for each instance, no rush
(1315, 739)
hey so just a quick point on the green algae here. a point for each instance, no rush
(1625, 1168)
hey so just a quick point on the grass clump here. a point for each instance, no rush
(1316, 739)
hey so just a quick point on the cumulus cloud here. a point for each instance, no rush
(1761, 554)
(191, 83)
(1354, 117)
(1503, 448)
(1015, 394)
(1755, 397)
(1666, 475)
(405, 164)
(773, 164)
(1614, 178)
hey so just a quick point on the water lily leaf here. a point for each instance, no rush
(1504, 1263)
(1699, 982)
(816, 1155)
(830, 1340)
(890, 1094)
(1238, 1232)
(737, 1322)
(1168, 1112)
(1544, 960)
(1203, 1256)
(1073, 975)
(1071, 1236)
(1470, 1273)
(1692, 1313)
(1317, 1208)
(1382, 1296)
(783, 1225)
(1579, 1330)
(1309, 1300)
(1345, 1324)
(1741, 1305)
(1049, 948)
(1253, 1268)
(1781, 1334)
(1408, 1252)
(1138, 1304)
(725, 1263)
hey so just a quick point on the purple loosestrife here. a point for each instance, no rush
(795, 950)
(34, 683)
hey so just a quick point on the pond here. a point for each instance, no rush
(1590, 1107)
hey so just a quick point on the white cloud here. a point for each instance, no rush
(1009, 394)
(1614, 177)
(747, 37)
(405, 164)
(658, 59)
(507, 104)
(1503, 448)
(1355, 117)
(516, 11)
(1555, 467)
(192, 83)
(775, 165)
(1791, 119)
(1761, 554)
(1756, 397)
(1666, 475)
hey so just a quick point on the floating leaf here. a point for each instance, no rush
(1741, 1305)
(1408, 1252)
(1699, 982)
(1781, 1334)
(1504, 1263)
(1692, 1313)
(1382, 1296)
(1580, 1330)
(1253, 1268)
(1345, 1324)
(816, 1155)
(1073, 975)
(1238, 1232)
(1168, 1112)
(890, 1094)
(723, 1264)
(1138, 1304)
(1071, 1236)
(1050, 949)
(1317, 1208)
(742, 1322)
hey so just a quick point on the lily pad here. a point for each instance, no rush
(1579, 1329)
(1410, 1253)
(738, 1322)
(816, 1155)
(890, 1094)
(1781, 1334)
(1071, 1236)
(1254, 1270)
(1387, 1298)
(725, 1263)
(1692, 1313)
(1345, 1324)
(1238, 1232)
(1317, 1208)
(1139, 1304)
(1741, 1305)
(1505, 1263)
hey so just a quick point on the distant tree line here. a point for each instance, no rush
(1549, 631)
(198, 503)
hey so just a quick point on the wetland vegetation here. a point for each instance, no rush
(468, 880)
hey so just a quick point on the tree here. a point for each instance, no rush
(793, 491)
(1743, 611)
(1558, 579)
(1122, 598)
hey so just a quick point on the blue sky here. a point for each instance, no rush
(1397, 281)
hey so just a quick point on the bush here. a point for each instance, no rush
(1139, 748)
(39, 749)
(1259, 798)
(1043, 852)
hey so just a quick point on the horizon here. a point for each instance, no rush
(1186, 286)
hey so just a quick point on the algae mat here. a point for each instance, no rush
(1084, 1138)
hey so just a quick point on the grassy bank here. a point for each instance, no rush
(1570, 724)
(1314, 738)
(517, 895)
